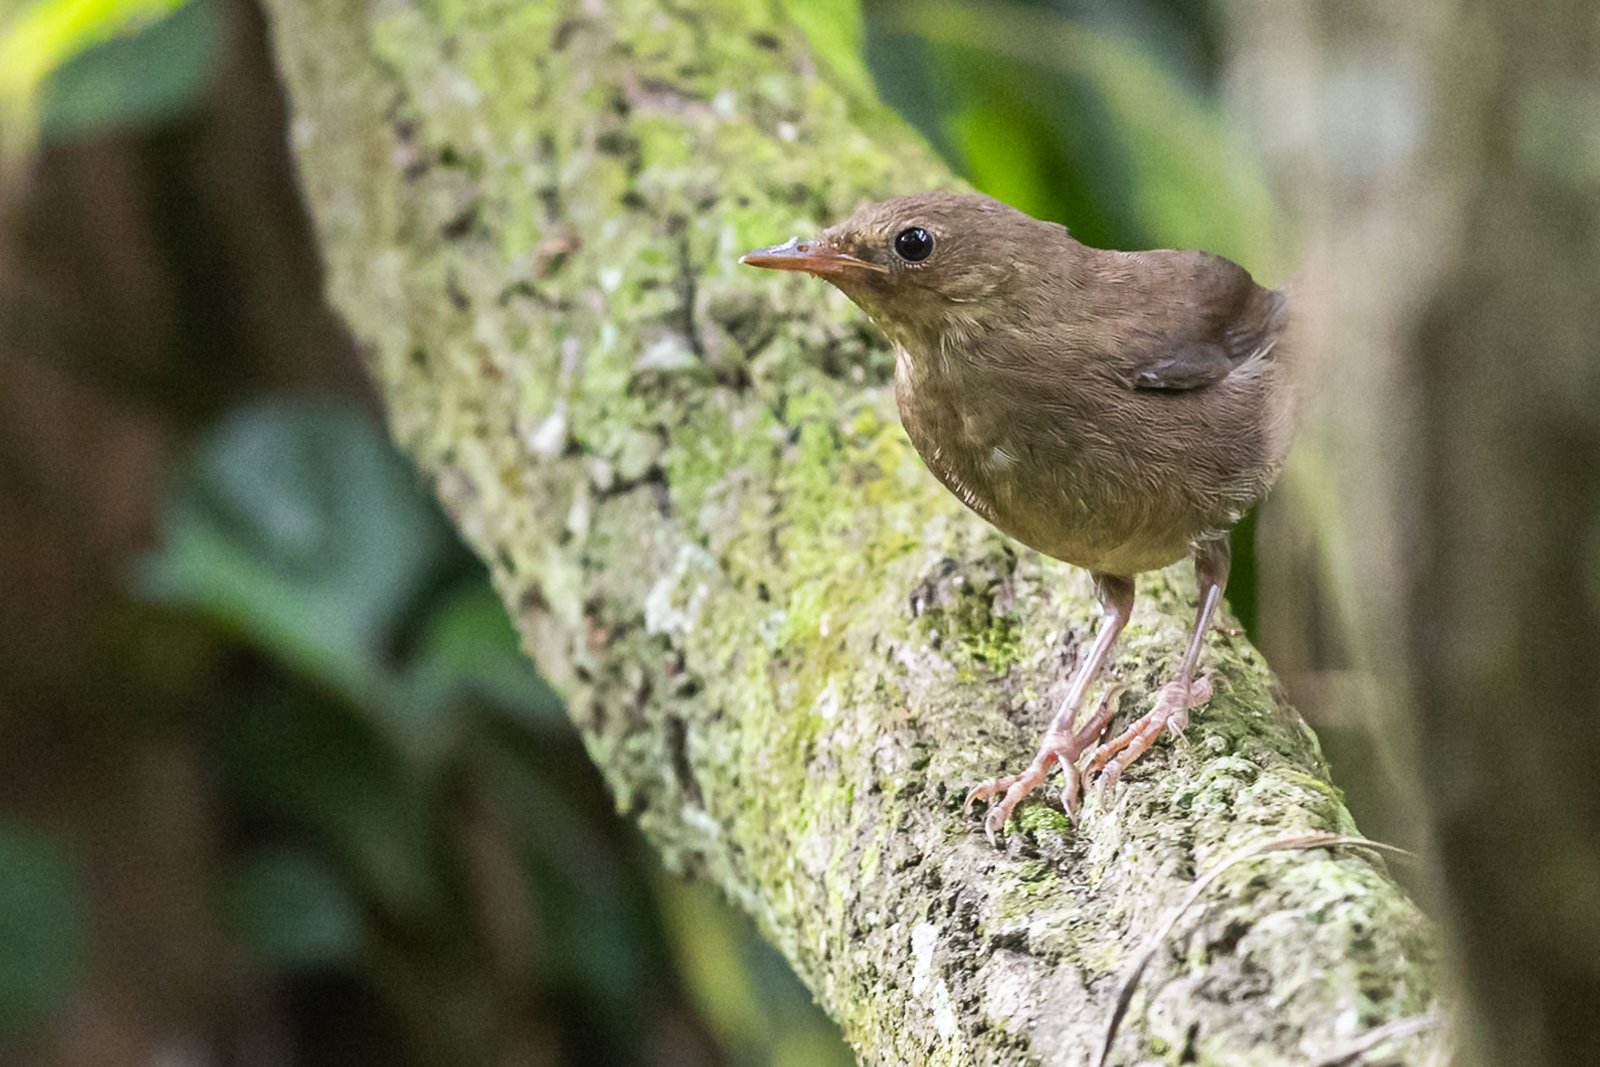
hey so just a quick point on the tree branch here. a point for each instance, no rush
(788, 649)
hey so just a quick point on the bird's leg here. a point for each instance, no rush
(1062, 745)
(1173, 701)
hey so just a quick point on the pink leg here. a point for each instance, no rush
(1062, 744)
(1173, 701)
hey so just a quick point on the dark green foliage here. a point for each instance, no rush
(43, 927)
(399, 766)
(327, 770)
(292, 911)
(300, 528)
(400, 709)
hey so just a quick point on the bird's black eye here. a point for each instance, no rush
(913, 245)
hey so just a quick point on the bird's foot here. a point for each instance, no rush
(1171, 714)
(1061, 748)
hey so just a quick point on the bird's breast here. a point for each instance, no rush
(965, 446)
(1035, 483)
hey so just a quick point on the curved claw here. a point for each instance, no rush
(995, 821)
(1105, 782)
(1071, 788)
(1021, 785)
(984, 790)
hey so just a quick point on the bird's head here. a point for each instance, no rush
(928, 264)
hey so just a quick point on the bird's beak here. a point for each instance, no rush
(813, 257)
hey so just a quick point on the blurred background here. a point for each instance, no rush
(276, 785)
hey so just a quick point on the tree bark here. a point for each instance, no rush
(788, 649)
(1445, 160)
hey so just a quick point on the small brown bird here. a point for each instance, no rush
(1116, 410)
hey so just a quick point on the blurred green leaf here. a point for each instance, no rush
(596, 928)
(43, 928)
(324, 767)
(1084, 126)
(37, 38)
(302, 528)
(835, 32)
(705, 937)
(469, 649)
(73, 67)
(745, 990)
(1008, 146)
(144, 77)
(291, 910)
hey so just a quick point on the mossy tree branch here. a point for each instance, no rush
(788, 650)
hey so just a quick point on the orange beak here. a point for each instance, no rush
(813, 257)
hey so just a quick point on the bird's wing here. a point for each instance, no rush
(1223, 322)
(1182, 365)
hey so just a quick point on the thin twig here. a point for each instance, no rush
(1353, 1053)
(1320, 839)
